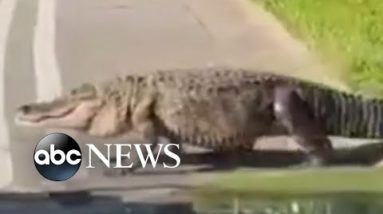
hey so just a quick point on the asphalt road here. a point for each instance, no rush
(47, 47)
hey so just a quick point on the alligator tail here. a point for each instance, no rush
(345, 114)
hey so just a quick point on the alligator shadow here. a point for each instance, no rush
(364, 155)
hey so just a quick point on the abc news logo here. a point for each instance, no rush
(58, 157)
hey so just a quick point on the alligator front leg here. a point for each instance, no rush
(294, 114)
(134, 161)
(143, 125)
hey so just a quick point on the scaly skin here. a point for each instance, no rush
(220, 108)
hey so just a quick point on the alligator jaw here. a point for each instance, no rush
(57, 114)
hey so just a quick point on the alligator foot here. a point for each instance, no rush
(111, 172)
(311, 162)
(118, 172)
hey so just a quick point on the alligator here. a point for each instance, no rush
(223, 109)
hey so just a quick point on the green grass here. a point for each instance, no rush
(346, 32)
(279, 188)
(323, 181)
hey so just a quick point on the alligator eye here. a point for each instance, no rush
(73, 92)
(84, 88)
(25, 109)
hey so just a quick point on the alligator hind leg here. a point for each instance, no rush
(292, 112)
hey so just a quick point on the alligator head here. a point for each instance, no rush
(73, 110)
(84, 109)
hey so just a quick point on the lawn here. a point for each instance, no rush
(348, 33)
(258, 191)
(310, 181)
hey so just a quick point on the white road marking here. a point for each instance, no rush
(7, 8)
(48, 80)
(47, 71)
